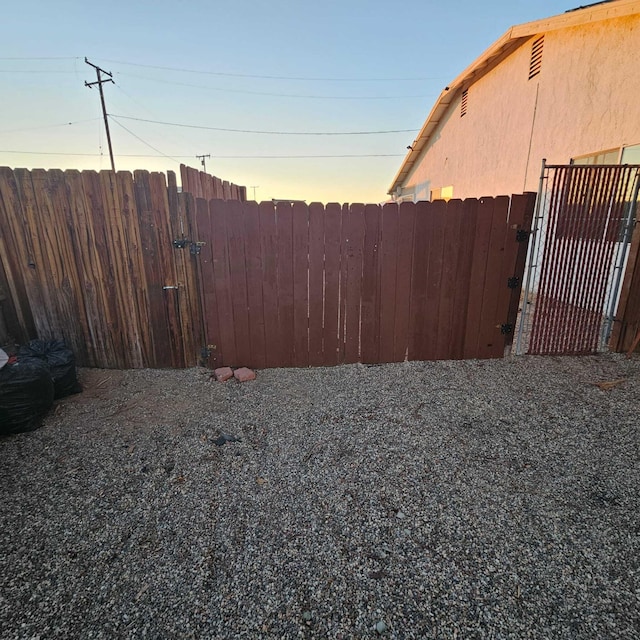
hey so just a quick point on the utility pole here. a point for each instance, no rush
(254, 191)
(201, 158)
(100, 81)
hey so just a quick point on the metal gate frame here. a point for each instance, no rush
(582, 229)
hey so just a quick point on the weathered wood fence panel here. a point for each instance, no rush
(297, 285)
(202, 185)
(89, 257)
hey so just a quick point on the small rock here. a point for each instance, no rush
(223, 438)
(306, 615)
(223, 374)
(244, 374)
(381, 627)
(400, 515)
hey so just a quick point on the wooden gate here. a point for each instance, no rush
(298, 285)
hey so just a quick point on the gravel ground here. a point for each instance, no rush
(478, 499)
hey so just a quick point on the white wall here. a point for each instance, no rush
(588, 99)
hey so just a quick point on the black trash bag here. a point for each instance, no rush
(26, 394)
(61, 361)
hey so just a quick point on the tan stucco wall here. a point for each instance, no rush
(588, 100)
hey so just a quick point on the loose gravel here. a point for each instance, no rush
(477, 499)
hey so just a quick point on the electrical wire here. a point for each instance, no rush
(220, 157)
(49, 126)
(273, 133)
(143, 141)
(45, 58)
(268, 77)
(269, 93)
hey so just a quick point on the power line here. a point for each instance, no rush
(270, 93)
(44, 58)
(269, 77)
(47, 71)
(144, 141)
(273, 133)
(220, 157)
(49, 126)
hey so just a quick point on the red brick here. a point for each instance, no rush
(244, 375)
(223, 373)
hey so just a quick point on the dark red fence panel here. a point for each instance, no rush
(298, 285)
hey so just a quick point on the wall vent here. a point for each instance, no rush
(463, 103)
(536, 57)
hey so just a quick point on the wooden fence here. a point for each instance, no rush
(132, 273)
(202, 185)
(298, 285)
(89, 257)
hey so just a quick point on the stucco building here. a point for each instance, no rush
(566, 88)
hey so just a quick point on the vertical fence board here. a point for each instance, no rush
(449, 279)
(432, 331)
(284, 224)
(388, 255)
(370, 329)
(153, 270)
(255, 276)
(238, 278)
(332, 239)
(166, 255)
(491, 340)
(300, 284)
(484, 220)
(316, 283)
(421, 250)
(211, 338)
(222, 279)
(404, 263)
(354, 238)
(269, 236)
(463, 269)
(189, 315)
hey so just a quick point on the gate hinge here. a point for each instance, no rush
(513, 283)
(505, 329)
(522, 235)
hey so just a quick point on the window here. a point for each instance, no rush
(631, 155)
(463, 103)
(610, 156)
(535, 64)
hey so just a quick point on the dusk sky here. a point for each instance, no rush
(283, 66)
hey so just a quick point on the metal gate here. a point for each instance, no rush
(582, 229)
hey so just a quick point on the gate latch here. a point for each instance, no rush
(522, 235)
(194, 246)
(506, 329)
(513, 283)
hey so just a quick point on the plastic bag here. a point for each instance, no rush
(26, 394)
(61, 361)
